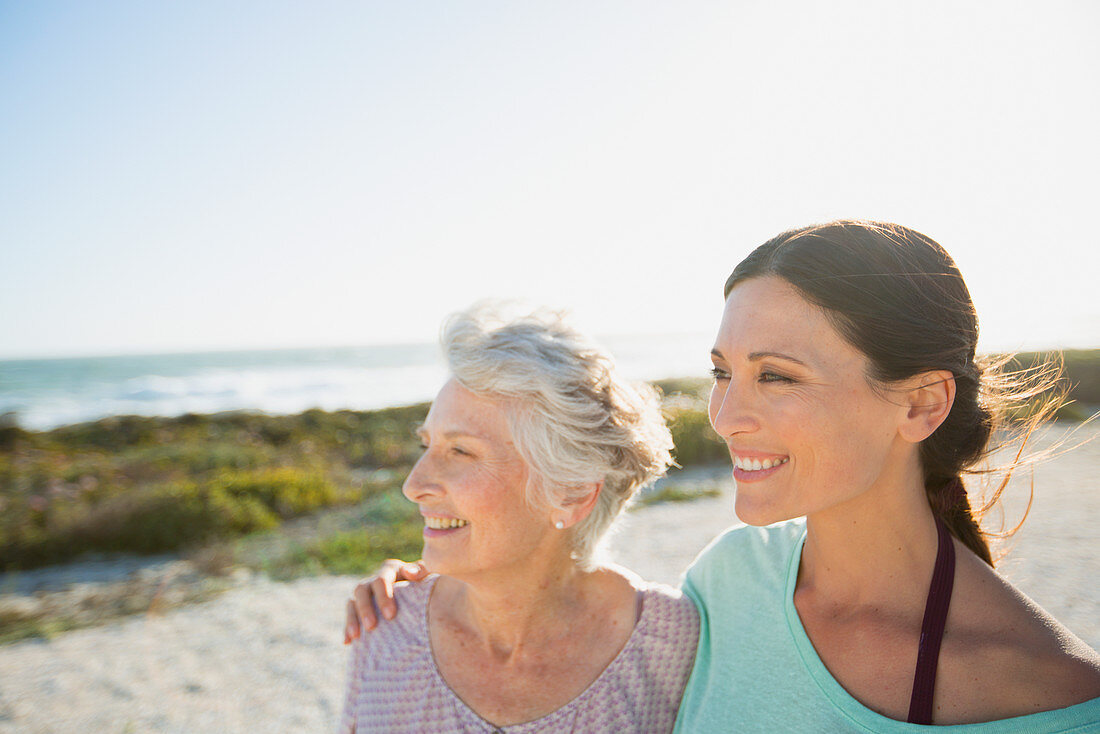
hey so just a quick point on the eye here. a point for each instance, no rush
(719, 374)
(773, 377)
(459, 451)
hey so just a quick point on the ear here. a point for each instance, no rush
(580, 508)
(928, 400)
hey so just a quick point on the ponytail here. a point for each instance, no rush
(952, 506)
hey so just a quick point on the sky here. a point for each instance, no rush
(202, 175)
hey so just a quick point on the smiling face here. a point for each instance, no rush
(470, 487)
(805, 429)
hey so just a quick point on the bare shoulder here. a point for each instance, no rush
(615, 587)
(629, 584)
(664, 605)
(1004, 656)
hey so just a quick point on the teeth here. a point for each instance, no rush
(444, 523)
(756, 464)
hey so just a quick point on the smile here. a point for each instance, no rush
(444, 523)
(747, 464)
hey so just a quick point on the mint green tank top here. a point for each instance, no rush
(756, 670)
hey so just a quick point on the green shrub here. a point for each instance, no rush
(10, 433)
(355, 552)
(696, 442)
(161, 519)
(286, 492)
(196, 457)
(169, 518)
(112, 434)
(675, 493)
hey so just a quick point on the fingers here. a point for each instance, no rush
(375, 595)
(381, 587)
(352, 629)
(363, 603)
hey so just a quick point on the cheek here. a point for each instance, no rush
(498, 495)
(855, 447)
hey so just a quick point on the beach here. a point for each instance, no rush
(267, 656)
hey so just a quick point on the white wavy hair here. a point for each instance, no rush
(573, 419)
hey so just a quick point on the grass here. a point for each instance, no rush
(15, 626)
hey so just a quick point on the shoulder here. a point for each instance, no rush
(655, 611)
(746, 550)
(665, 639)
(995, 632)
(667, 608)
(414, 593)
(409, 627)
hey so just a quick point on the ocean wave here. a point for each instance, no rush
(289, 390)
(44, 394)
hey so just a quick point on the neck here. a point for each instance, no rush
(877, 549)
(513, 611)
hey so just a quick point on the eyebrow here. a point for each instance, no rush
(422, 432)
(757, 356)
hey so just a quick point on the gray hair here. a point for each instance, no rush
(573, 419)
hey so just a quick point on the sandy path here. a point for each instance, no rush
(268, 657)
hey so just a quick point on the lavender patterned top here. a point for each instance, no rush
(394, 685)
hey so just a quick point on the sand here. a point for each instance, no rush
(268, 656)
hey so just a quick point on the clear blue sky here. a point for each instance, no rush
(193, 175)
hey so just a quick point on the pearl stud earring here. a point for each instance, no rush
(559, 524)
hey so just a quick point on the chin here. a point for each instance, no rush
(752, 511)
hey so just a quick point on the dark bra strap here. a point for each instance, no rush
(931, 632)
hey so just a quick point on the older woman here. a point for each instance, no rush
(862, 595)
(531, 449)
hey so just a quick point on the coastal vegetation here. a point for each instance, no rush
(193, 483)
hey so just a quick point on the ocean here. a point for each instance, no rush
(39, 394)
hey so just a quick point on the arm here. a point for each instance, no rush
(377, 590)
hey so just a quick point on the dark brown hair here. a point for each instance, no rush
(897, 297)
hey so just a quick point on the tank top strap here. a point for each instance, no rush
(931, 633)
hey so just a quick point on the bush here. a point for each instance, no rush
(112, 434)
(197, 458)
(696, 442)
(169, 517)
(163, 519)
(675, 493)
(286, 492)
(351, 552)
(10, 432)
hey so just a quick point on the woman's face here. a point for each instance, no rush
(804, 428)
(470, 487)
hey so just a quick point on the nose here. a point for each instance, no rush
(730, 409)
(421, 482)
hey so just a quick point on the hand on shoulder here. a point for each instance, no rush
(373, 598)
